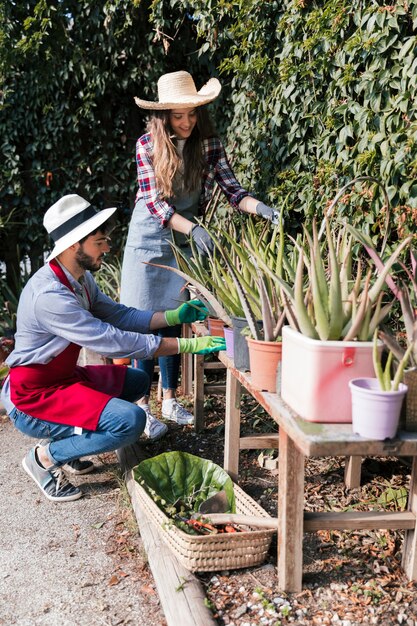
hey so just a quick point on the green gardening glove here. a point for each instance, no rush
(201, 345)
(186, 313)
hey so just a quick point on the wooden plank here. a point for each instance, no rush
(89, 357)
(359, 520)
(232, 426)
(214, 365)
(319, 439)
(180, 592)
(290, 515)
(353, 465)
(198, 393)
(215, 389)
(259, 441)
(409, 553)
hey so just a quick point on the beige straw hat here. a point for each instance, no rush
(177, 90)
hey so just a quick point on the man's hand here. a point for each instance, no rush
(267, 212)
(186, 313)
(201, 345)
(202, 239)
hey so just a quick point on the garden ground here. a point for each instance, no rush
(83, 562)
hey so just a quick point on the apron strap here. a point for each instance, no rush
(57, 269)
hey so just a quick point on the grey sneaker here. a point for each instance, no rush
(177, 413)
(154, 428)
(78, 467)
(53, 483)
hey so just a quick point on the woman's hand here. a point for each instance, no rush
(267, 212)
(202, 239)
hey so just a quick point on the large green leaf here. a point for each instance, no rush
(182, 476)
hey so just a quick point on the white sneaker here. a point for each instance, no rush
(154, 428)
(174, 411)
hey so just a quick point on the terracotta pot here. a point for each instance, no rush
(215, 326)
(264, 357)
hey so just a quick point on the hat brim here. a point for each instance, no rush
(83, 230)
(207, 94)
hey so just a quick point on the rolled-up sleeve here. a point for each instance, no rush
(66, 319)
(223, 174)
(159, 209)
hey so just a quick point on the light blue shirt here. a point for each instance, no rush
(50, 317)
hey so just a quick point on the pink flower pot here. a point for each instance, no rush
(315, 375)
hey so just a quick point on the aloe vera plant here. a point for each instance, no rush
(332, 297)
(384, 374)
(272, 311)
(406, 293)
(227, 279)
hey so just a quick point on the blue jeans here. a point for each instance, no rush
(121, 423)
(169, 365)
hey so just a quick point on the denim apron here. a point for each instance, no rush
(152, 288)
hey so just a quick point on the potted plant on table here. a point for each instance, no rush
(333, 307)
(406, 292)
(210, 278)
(377, 402)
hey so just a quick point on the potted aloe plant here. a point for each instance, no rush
(211, 278)
(333, 307)
(406, 292)
(377, 402)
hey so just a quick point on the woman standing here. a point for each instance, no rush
(178, 161)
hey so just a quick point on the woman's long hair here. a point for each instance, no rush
(166, 161)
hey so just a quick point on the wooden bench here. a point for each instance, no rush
(298, 439)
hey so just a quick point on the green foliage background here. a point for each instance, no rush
(315, 93)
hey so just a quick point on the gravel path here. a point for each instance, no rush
(73, 564)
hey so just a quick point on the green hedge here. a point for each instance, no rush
(322, 92)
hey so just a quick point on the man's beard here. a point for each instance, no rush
(85, 261)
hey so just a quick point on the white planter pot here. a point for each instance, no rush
(315, 375)
(375, 413)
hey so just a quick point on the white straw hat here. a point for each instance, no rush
(70, 219)
(177, 90)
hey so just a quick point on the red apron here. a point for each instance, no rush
(63, 392)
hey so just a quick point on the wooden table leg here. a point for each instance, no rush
(353, 466)
(232, 426)
(198, 393)
(290, 515)
(409, 560)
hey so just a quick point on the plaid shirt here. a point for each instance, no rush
(217, 170)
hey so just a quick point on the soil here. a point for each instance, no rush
(83, 562)
(349, 578)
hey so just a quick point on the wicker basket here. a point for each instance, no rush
(208, 553)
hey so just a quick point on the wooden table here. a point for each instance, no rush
(299, 439)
